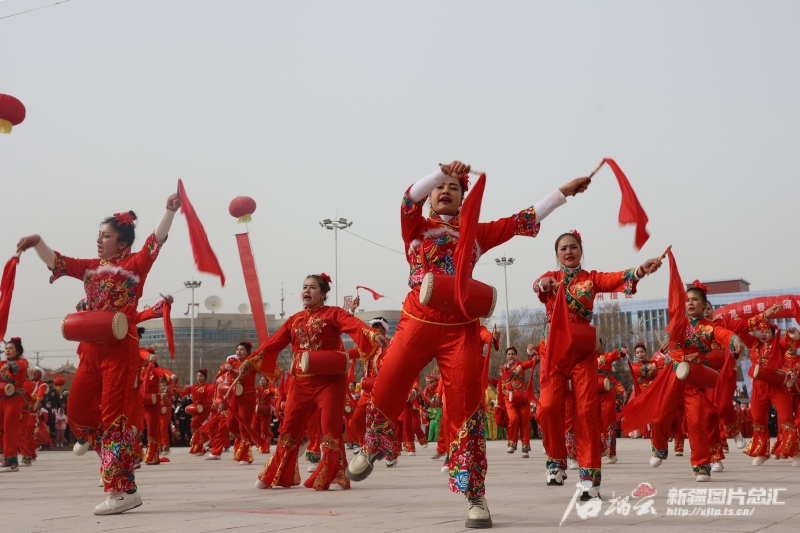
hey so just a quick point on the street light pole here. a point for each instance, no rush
(336, 225)
(191, 285)
(505, 262)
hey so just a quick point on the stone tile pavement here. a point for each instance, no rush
(190, 494)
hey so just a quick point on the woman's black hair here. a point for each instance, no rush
(18, 345)
(324, 286)
(512, 348)
(247, 346)
(141, 331)
(640, 345)
(698, 291)
(127, 232)
(203, 371)
(569, 234)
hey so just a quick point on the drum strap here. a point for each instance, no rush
(439, 323)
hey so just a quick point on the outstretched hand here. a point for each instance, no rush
(775, 309)
(382, 341)
(28, 242)
(173, 202)
(244, 368)
(575, 186)
(456, 169)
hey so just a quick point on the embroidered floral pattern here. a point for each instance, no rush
(332, 459)
(701, 470)
(380, 433)
(569, 437)
(629, 279)
(717, 453)
(526, 224)
(117, 456)
(759, 442)
(590, 474)
(271, 474)
(661, 454)
(467, 454)
(556, 463)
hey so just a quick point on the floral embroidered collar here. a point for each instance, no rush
(569, 276)
(119, 256)
(436, 217)
(310, 310)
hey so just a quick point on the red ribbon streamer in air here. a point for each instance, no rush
(559, 338)
(168, 330)
(204, 256)
(470, 213)
(677, 305)
(630, 211)
(6, 290)
(375, 295)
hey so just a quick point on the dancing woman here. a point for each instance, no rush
(113, 281)
(581, 286)
(700, 335)
(15, 372)
(202, 395)
(453, 339)
(512, 379)
(316, 327)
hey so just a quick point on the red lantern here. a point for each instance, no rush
(12, 112)
(69, 378)
(59, 382)
(242, 207)
(48, 374)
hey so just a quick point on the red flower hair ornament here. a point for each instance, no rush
(578, 235)
(326, 277)
(250, 344)
(17, 339)
(702, 286)
(123, 219)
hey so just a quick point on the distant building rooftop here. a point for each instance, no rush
(725, 286)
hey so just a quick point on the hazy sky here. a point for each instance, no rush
(324, 109)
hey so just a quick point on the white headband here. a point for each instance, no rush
(380, 321)
(232, 357)
(40, 369)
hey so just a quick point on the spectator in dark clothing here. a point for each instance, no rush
(184, 421)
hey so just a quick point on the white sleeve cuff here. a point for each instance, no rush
(548, 205)
(421, 189)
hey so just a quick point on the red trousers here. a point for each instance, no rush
(219, 434)
(152, 417)
(164, 429)
(323, 394)
(360, 418)
(198, 437)
(101, 403)
(10, 420)
(781, 398)
(445, 437)
(423, 334)
(694, 408)
(27, 446)
(245, 405)
(608, 419)
(728, 412)
(262, 423)
(519, 424)
(715, 436)
(678, 428)
(551, 416)
(412, 428)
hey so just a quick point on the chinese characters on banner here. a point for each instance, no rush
(602, 297)
(348, 301)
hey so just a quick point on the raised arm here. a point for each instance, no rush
(264, 359)
(367, 339)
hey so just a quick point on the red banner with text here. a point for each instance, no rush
(253, 287)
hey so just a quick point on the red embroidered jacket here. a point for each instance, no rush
(319, 328)
(15, 371)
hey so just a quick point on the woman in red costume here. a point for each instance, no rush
(152, 405)
(700, 335)
(644, 372)
(113, 282)
(581, 288)
(245, 404)
(512, 379)
(317, 327)
(371, 370)
(13, 371)
(262, 421)
(166, 403)
(425, 332)
(202, 395)
(767, 350)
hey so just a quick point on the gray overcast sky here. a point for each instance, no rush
(323, 109)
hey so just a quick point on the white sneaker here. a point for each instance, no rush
(511, 450)
(102, 483)
(525, 455)
(678, 454)
(437, 455)
(796, 461)
(80, 449)
(701, 478)
(23, 463)
(335, 486)
(572, 464)
(760, 460)
(246, 463)
(555, 476)
(166, 451)
(5, 469)
(611, 459)
(589, 492)
(118, 502)
(478, 515)
(738, 440)
(212, 457)
(390, 464)
(424, 445)
(655, 461)
(410, 454)
(261, 485)
(445, 469)
(717, 466)
(312, 468)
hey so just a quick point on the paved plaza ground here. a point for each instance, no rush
(190, 494)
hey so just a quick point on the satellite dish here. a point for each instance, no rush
(244, 308)
(267, 307)
(213, 303)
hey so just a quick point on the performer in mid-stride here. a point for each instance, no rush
(113, 282)
(317, 327)
(425, 332)
(581, 286)
(13, 371)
